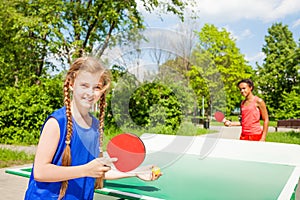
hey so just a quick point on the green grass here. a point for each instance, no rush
(291, 137)
(10, 158)
(189, 129)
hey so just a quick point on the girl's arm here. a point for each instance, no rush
(265, 117)
(230, 123)
(144, 173)
(114, 174)
(45, 171)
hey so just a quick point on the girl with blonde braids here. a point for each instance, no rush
(66, 164)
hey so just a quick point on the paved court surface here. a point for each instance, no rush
(12, 187)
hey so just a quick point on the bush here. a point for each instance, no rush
(290, 106)
(155, 105)
(24, 109)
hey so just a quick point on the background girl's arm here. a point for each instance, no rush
(45, 171)
(230, 123)
(265, 117)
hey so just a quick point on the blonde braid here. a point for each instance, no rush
(92, 65)
(66, 157)
(102, 105)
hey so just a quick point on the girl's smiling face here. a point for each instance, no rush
(245, 89)
(87, 89)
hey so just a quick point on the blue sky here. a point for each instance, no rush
(247, 21)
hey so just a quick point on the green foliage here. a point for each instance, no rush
(32, 31)
(154, 105)
(9, 158)
(26, 36)
(290, 106)
(279, 74)
(23, 110)
(160, 104)
(175, 79)
(217, 66)
(123, 86)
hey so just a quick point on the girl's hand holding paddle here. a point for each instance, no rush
(99, 166)
(227, 123)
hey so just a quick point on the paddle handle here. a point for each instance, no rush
(107, 162)
(99, 184)
(224, 120)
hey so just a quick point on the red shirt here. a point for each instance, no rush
(250, 118)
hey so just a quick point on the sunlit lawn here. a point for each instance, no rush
(291, 137)
(9, 158)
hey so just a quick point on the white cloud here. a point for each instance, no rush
(247, 34)
(234, 10)
(259, 57)
(286, 7)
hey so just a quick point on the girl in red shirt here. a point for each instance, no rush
(253, 109)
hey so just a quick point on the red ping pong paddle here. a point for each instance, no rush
(129, 149)
(220, 117)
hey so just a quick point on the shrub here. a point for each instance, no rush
(24, 109)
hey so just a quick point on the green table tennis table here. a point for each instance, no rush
(210, 168)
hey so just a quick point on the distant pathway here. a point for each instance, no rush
(28, 149)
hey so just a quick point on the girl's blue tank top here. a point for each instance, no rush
(84, 148)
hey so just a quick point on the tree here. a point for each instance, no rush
(26, 30)
(41, 35)
(31, 31)
(278, 74)
(217, 66)
(184, 45)
(159, 104)
(290, 105)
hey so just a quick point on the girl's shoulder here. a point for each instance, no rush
(59, 114)
(258, 99)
